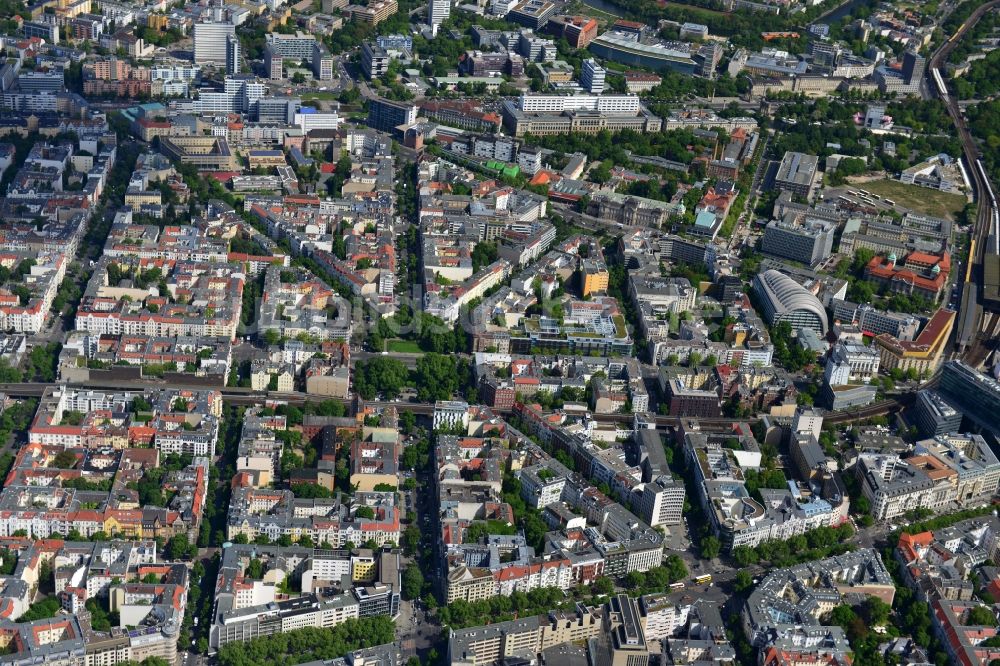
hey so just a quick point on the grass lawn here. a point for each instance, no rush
(696, 10)
(404, 346)
(920, 199)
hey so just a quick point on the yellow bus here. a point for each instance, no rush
(703, 579)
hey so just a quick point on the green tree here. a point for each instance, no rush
(603, 586)
(744, 556)
(381, 375)
(65, 459)
(675, 568)
(179, 548)
(435, 377)
(981, 616)
(710, 547)
(412, 582)
(875, 612)
(310, 644)
(743, 582)
(254, 570)
(635, 580)
(41, 610)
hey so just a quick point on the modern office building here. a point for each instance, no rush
(627, 49)
(976, 394)
(279, 110)
(686, 401)
(904, 80)
(846, 396)
(274, 64)
(532, 14)
(298, 47)
(851, 363)
(438, 12)
(797, 173)
(660, 502)
(623, 104)
(694, 31)
(592, 77)
(245, 90)
(47, 31)
(784, 299)
(385, 115)
(40, 82)
(373, 13)
(206, 153)
(874, 321)
(210, 42)
(809, 242)
(395, 42)
(374, 60)
(232, 54)
(322, 63)
(934, 416)
(913, 67)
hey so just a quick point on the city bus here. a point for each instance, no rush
(703, 579)
(677, 586)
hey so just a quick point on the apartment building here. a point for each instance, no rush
(822, 586)
(114, 305)
(274, 514)
(336, 586)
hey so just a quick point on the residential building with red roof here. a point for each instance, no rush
(962, 640)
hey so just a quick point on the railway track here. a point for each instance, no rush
(986, 230)
(985, 343)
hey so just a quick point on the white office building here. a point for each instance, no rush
(659, 502)
(592, 77)
(437, 12)
(450, 414)
(210, 42)
(851, 363)
(210, 101)
(502, 7)
(298, 47)
(807, 422)
(312, 121)
(245, 90)
(610, 104)
(188, 74)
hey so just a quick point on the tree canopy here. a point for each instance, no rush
(310, 644)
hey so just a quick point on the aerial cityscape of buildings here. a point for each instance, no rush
(510, 333)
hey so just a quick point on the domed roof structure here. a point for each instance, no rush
(784, 299)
